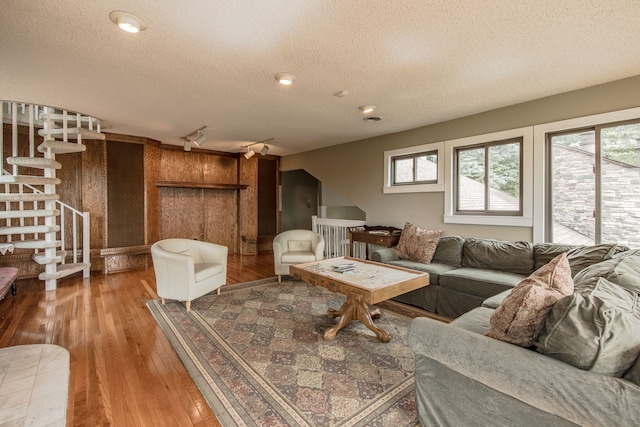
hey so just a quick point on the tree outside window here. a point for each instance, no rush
(489, 178)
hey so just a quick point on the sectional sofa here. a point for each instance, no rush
(582, 370)
(464, 272)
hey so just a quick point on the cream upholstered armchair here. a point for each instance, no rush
(188, 269)
(295, 247)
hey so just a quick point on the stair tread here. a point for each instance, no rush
(36, 244)
(71, 118)
(63, 270)
(43, 259)
(73, 133)
(28, 179)
(29, 213)
(27, 197)
(34, 162)
(61, 147)
(28, 229)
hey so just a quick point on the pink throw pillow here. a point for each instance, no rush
(417, 244)
(518, 320)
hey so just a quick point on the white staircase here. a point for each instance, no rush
(33, 217)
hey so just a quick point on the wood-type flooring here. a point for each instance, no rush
(124, 371)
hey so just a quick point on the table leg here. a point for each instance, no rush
(354, 309)
(345, 314)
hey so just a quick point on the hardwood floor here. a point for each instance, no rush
(124, 372)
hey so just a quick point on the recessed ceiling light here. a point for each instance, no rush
(285, 78)
(366, 109)
(372, 119)
(127, 21)
(341, 94)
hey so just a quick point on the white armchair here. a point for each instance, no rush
(295, 247)
(188, 269)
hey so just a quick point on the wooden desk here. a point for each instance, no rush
(381, 236)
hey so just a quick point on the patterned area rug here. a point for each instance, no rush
(257, 354)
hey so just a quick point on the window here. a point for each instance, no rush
(414, 169)
(419, 168)
(613, 199)
(594, 185)
(489, 178)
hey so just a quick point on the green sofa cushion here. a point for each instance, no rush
(434, 269)
(479, 282)
(449, 251)
(595, 329)
(633, 374)
(543, 253)
(514, 257)
(623, 271)
(584, 256)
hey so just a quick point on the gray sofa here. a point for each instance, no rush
(466, 378)
(464, 272)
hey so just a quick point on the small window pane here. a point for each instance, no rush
(471, 170)
(504, 177)
(427, 168)
(403, 170)
(620, 190)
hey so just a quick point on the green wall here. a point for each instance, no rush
(355, 169)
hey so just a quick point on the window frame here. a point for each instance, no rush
(414, 187)
(487, 172)
(525, 217)
(414, 157)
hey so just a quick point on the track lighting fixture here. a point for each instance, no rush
(196, 137)
(265, 148)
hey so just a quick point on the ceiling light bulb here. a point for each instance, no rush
(128, 24)
(285, 78)
(366, 109)
(127, 21)
(249, 154)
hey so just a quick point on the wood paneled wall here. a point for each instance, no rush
(225, 216)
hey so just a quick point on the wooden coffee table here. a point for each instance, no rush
(371, 283)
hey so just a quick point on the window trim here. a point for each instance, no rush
(540, 154)
(521, 220)
(438, 186)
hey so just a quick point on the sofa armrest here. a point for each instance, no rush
(384, 255)
(536, 380)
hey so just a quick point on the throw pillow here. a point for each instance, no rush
(417, 244)
(596, 329)
(519, 318)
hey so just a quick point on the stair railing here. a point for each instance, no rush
(78, 237)
(336, 236)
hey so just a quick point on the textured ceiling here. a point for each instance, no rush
(212, 62)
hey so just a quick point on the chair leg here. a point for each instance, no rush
(188, 305)
(163, 301)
